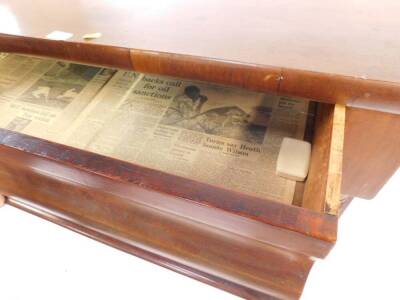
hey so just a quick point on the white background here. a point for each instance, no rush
(40, 260)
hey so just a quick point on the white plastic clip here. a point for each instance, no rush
(293, 159)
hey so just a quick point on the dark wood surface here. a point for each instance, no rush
(253, 270)
(130, 176)
(127, 207)
(332, 51)
(340, 37)
(371, 151)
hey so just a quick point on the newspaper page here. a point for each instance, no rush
(16, 72)
(42, 97)
(215, 134)
(101, 109)
(3, 55)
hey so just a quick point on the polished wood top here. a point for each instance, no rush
(353, 38)
(348, 37)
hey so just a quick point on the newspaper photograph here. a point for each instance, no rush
(52, 96)
(219, 135)
(16, 72)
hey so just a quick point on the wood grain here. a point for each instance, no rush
(345, 64)
(351, 91)
(333, 186)
(341, 37)
(371, 151)
(290, 217)
(322, 190)
(201, 252)
(327, 88)
(252, 77)
(109, 56)
(296, 270)
(121, 213)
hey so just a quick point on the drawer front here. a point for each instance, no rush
(217, 257)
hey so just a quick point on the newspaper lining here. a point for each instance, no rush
(215, 134)
(42, 97)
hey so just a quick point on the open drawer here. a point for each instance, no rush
(64, 157)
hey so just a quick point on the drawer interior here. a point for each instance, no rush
(222, 136)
